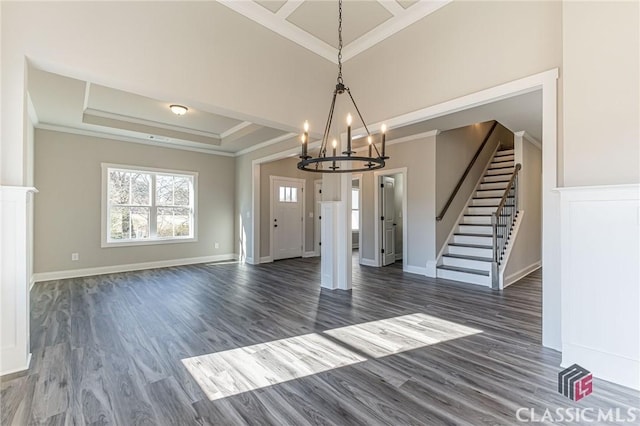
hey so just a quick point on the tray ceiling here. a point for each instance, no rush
(313, 24)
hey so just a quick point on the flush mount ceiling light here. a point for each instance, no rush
(347, 162)
(178, 109)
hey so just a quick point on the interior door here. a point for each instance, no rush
(387, 186)
(317, 232)
(286, 222)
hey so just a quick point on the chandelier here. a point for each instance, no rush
(347, 162)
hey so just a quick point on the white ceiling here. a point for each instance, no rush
(313, 24)
(77, 105)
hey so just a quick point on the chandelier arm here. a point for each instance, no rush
(358, 111)
(327, 127)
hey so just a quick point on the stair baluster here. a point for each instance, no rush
(503, 218)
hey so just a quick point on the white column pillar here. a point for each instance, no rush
(15, 252)
(336, 232)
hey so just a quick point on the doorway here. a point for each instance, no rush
(391, 206)
(287, 217)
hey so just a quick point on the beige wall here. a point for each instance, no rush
(454, 150)
(283, 168)
(527, 249)
(67, 208)
(418, 157)
(601, 42)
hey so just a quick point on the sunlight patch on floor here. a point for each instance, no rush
(234, 371)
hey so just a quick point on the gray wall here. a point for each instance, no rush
(67, 208)
(418, 157)
(283, 168)
(527, 250)
(601, 65)
(454, 150)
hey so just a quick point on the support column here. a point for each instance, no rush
(336, 231)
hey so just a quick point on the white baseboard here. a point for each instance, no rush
(19, 369)
(415, 270)
(250, 261)
(266, 259)
(604, 365)
(86, 272)
(32, 281)
(310, 254)
(368, 262)
(521, 273)
(431, 270)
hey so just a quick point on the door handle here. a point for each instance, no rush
(395, 224)
(275, 226)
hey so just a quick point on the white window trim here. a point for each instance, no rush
(104, 243)
(358, 210)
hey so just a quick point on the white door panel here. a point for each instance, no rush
(287, 221)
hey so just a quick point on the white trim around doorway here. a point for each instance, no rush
(376, 216)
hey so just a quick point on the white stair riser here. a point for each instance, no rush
(490, 178)
(505, 171)
(488, 194)
(467, 263)
(476, 220)
(464, 277)
(470, 251)
(494, 185)
(505, 152)
(501, 164)
(486, 201)
(508, 157)
(474, 229)
(480, 210)
(472, 239)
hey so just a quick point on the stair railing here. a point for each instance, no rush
(466, 172)
(501, 222)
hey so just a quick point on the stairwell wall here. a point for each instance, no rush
(526, 255)
(454, 150)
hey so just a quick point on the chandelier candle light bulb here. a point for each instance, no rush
(348, 151)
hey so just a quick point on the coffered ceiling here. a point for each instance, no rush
(313, 24)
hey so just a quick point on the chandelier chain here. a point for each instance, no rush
(340, 81)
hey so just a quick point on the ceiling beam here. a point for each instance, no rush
(392, 6)
(288, 8)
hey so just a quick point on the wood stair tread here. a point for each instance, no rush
(462, 256)
(465, 270)
(478, 246)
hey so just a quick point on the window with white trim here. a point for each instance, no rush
(147, 206)
(355, 209)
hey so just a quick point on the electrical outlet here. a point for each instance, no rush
(75, 256)
(216, 245)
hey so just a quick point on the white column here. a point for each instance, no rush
(336, 232)
(15, 252)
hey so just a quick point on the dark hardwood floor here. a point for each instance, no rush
(121, 349)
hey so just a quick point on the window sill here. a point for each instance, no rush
(132, 243)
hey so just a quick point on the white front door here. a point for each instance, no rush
(286, 218)
(387, 186)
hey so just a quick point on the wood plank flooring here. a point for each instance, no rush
(233, 344)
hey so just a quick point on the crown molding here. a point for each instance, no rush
(235, 129)
(151, 123)
(157, 143)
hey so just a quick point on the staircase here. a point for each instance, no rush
(469, 253)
